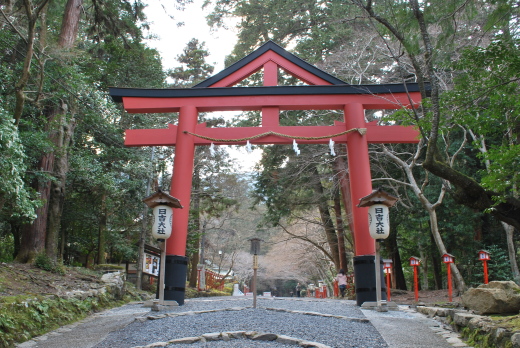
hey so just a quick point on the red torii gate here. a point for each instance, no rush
(217, 94)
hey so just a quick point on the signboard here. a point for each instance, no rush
(151, 264)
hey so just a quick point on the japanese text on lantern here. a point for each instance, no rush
(380, 225)
(161, 227)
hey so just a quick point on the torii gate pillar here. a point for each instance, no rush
(176, 260)
(360, 177)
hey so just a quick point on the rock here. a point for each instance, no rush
(116, 282)
(463, 319)
(264, 337)
(497, 297)
(515, 340)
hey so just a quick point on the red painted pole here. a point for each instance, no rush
(388, 285)
(416, 283)
(449, 283)
(182, 180)
(360, 178)
(485, 272)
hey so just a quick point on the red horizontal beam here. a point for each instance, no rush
(227, 136)
(257, 102)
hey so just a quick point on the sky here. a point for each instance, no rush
(172, 39)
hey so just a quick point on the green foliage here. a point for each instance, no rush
(485, 99)
(194, 68)
(6, 248)
(15, 197)
(499, 266)
(24, 317)
(44, 262)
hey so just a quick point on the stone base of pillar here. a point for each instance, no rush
(175, 278)
(365, 280)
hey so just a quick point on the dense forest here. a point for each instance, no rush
(72, 192)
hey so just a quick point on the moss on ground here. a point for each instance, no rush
(23, 317)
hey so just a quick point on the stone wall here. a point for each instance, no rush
(478, 328)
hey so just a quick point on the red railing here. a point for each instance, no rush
(214, 280)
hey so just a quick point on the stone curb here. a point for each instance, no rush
(359, 320)
(172, 315)
(227, 336)
(483, 325)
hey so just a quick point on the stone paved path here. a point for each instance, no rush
(398, 329)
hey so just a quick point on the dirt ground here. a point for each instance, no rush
(426, 297)
(20, 279)
(23, 279)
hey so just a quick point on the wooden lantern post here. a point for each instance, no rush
(255, 250)
(162, 205)
(415, 262)
(484, 256)
(387, 265)
(447, 259)
(378, 203)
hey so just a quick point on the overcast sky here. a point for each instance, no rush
(172, 39)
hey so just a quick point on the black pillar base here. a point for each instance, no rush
(175, 278)
(365, 280)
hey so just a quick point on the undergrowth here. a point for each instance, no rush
(23, 317)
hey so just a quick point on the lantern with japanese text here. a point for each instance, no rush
(162, 205)
(378, 221)
(378, 203)
(162, 222)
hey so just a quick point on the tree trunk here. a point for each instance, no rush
(195, 199)
(70, 23)
(340, 168)
(102, 231)
(512, 252)
(34, 236)
(397, 271)
(343, 262)
(459, 281)
(423, 268)
(32, 241)
(437, 274)
(326, 220)
(57, 194)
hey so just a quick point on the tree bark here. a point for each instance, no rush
(340, 168)
(70, 23)
(397, 269)
(343, 262)
(437, 275)
(326, 220)
(57, 193)
(101, 259)
(512, 251)
(34, 236)
(431, 209)
(195, 199)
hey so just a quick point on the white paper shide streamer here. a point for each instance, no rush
(212, 149)
(248, 147)
(331, 147)
(295, 147)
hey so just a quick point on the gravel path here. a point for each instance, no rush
(330, 323)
